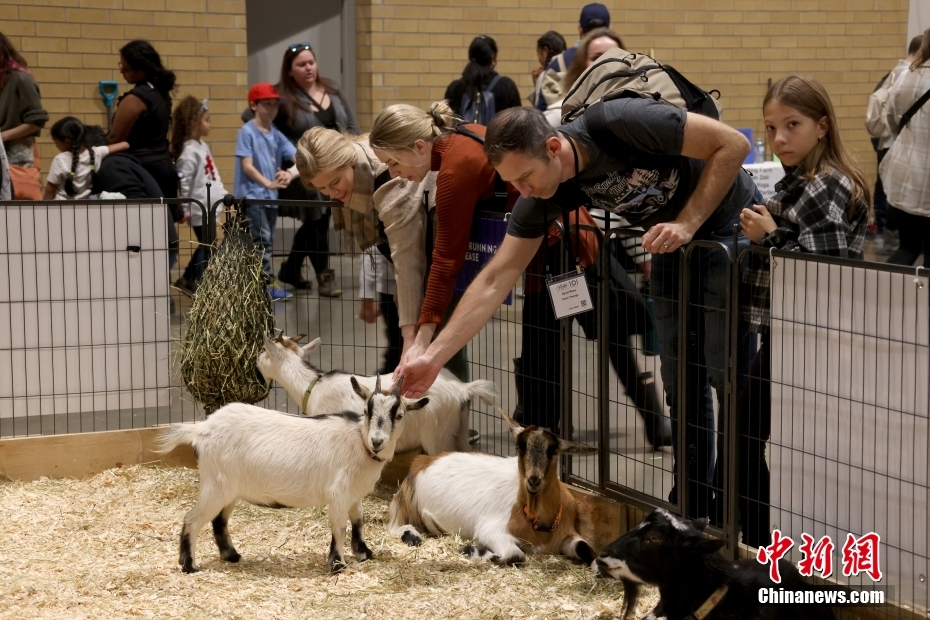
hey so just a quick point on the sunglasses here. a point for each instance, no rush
(295, 47)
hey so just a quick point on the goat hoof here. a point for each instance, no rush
(516, 560)
(231, 557)
(336, 565)
(412, 539)
(190, 568)
(363, 554)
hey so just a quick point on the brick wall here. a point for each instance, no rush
(70, 45)
(409, 51)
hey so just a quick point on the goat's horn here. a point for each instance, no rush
(378, 383)
(395, 389)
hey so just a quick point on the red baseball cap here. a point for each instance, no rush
(262, 90)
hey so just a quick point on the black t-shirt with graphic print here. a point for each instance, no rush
(647, 195)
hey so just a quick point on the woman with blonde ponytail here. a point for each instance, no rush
(414, 142)
(345, 169)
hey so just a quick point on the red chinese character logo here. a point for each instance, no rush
(861, 556)
(816, 557)
(774, 552)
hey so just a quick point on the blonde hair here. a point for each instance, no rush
(324, 150)
(810, 98)
(400, 125)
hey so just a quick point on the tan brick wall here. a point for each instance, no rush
(70, 45)
(409, 51)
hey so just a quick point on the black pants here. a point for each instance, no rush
(198, 262)
(914, 231)
(882, 218)
(755, 428)
(310, 241)
(541, 384)
(392, 330)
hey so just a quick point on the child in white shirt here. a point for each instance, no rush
(71, 174)
(196, 168)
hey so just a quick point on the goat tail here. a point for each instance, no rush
(484, 390)
(176, 435)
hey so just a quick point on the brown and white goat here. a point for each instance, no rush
(507, 506)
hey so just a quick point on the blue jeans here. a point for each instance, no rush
(706, 353)
(261, 222)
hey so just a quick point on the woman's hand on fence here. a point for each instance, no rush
(368, 311)
(756, 222)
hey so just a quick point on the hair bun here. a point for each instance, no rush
(438, 120)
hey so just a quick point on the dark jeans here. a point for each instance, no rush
(262, 221)
(310, 241)
(882, 219)
(195, 268)
(914, 231)
(755, 429)
(705, 344)
(541, 381)
(392, 330)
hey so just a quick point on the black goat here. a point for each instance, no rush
(694, 581)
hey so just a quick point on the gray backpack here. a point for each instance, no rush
(619, 73)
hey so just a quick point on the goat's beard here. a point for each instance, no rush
(630, 595)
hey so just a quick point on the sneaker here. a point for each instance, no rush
(327, 282)
(278, 294)
(891, 240)
(297, 281)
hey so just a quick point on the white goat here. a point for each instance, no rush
(277, 460)
(442, 426)
(508, 506)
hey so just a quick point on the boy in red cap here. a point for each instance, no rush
(260, 151)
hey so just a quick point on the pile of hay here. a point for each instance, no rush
(107, 548)
(230, 313)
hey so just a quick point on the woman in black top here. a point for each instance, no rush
(143, 114)
(478, 74)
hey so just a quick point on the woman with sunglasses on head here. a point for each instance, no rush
(308, 100)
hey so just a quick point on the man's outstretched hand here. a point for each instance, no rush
(419, 374)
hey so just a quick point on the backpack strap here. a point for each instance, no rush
(498, 203)
(906, 117)
(493, 81)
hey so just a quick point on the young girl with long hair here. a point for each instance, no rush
(478, 75)
(189, 126)
(822, 206)
(71, 175)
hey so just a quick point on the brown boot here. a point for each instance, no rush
(327, 282)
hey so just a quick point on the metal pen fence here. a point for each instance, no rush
(824, 433)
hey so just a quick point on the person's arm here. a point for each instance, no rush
(116, 148)
(50, 190)
(724, 150)
(127, 113)
(482, 299)
(20, 131)
(252, 172)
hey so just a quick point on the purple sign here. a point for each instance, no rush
(486, 237)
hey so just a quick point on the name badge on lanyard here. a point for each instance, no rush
(569, 294)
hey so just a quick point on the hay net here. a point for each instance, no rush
(230, 314)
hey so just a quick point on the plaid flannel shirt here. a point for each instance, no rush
(811, 217)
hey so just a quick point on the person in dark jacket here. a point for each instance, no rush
(478, 74)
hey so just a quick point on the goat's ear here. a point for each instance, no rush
(309, 347)
(361, 390)
(571, 447)
(515, 428)
(298, 337)
(413, 405)
(270, 345)
(700, 524)
(704, 546)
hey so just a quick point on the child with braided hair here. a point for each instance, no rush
(71, 174)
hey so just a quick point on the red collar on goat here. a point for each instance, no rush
(701, 612)
(539, 526)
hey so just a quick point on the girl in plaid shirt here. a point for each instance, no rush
(822, 206)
